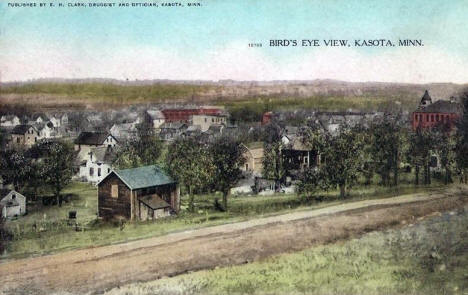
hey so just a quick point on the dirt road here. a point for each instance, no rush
(101, 268)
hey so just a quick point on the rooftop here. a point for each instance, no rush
(20, 129)
(91, 138)
(143, 177)
(441, 106)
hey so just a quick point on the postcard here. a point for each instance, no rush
(233, 147)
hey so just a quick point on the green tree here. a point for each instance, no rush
(15, 167)
(311, 180)
(57, 163)
(462, 140)
(190, 163)
(144, 150)
(273, 162)
(227, 159)
(386, 147)
(421, 146)
(445, 146)
(343, 158)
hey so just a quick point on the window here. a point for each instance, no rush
(35, 139)
(115, 191)
(17, 140)
(427, 118)
(99, 172)
(246, 166)
(437, 118)
(108, 170)
(432, 118)
(205, 119)
(91, 171)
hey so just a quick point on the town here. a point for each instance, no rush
(144, 170)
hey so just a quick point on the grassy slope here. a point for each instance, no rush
(426, 258)
(109, 93)
(112, 94)
(58, 236)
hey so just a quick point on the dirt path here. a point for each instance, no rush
(97, 269)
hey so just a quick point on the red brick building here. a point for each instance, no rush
(184, 115)
(430, 114)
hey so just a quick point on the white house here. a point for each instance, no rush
(97, 165)
(205, 121)
(47, 130)
(56, 122)
(156, 117)
(12, 203)
(9, 121)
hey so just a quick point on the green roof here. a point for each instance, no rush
(142, 177)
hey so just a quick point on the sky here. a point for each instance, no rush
(210, 42)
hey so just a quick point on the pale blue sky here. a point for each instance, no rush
(210, 42)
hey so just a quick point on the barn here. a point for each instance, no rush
(142, 193)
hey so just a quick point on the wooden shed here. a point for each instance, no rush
(142, 193)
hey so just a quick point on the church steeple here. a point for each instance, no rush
(426, 99)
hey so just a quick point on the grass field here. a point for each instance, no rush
(247, 107)
(52, 233)
(429, 257)
(109, 93)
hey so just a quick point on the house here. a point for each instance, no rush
(97, 165)
(430, 114)
(88, 140)
(253, 155)
(24, 135)
(38, 118)
(47, 130)
(156, 118)
(297, 156)
(9, 121)
(13, 204)
(142, 193)
(215, 130)
(124, 131)
(170, 130)
(55, 121)
(192, 130)
(206, 121)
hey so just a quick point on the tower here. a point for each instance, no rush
(426, 99)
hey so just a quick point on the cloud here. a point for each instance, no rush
(231, 61)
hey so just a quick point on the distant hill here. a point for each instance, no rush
(111, 92)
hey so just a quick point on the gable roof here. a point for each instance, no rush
(142, 177)
(21, 129)
(442, 106)
(92, 138)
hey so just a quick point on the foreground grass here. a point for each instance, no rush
(425, 258)
(52, 232)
